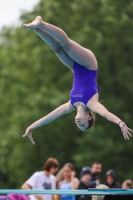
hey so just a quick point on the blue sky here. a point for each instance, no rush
(11, 9)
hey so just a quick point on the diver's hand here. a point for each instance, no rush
(125, 130)
(29, 134)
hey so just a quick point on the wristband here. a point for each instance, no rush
(119, 122)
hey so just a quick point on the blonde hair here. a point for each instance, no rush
(103, 187)
(59, 176)
(92, 121)
(128, 183)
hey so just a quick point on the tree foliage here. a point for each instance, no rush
(33, 82)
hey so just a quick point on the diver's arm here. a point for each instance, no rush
(100, 109)
(61, 110)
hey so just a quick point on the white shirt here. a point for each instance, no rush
(42, 182)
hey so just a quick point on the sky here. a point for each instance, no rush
(10, 10)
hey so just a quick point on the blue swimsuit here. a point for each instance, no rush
(84, 84)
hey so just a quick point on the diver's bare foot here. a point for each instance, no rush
(37, 23)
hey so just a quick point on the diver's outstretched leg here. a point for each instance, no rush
(55, 46)
(78, 53)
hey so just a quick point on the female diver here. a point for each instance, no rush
(84, 93)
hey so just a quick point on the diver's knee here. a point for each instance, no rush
(56, 48)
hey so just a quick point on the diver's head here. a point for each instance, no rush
(85, 120)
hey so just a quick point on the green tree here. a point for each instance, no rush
(33, 82)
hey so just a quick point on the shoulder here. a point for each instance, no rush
(76, 180)
(97, 107)
(37, 174)
(34, 177)
(93, 101)
(82, 185)
(70, 107)
(59, 184)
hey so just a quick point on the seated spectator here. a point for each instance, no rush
(101, 197)
(128, 184)
(69, 181)
(96, 170)
(43, 180)
(83, 184)
(110, 179)
(110, 197)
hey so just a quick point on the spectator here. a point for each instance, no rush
(83, 184)
(111, 179)
(101, 197)
(96, 170)
(69, 181)
(128, 184)
(110, 197)
(43, 180)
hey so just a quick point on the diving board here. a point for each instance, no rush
(70, 192)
